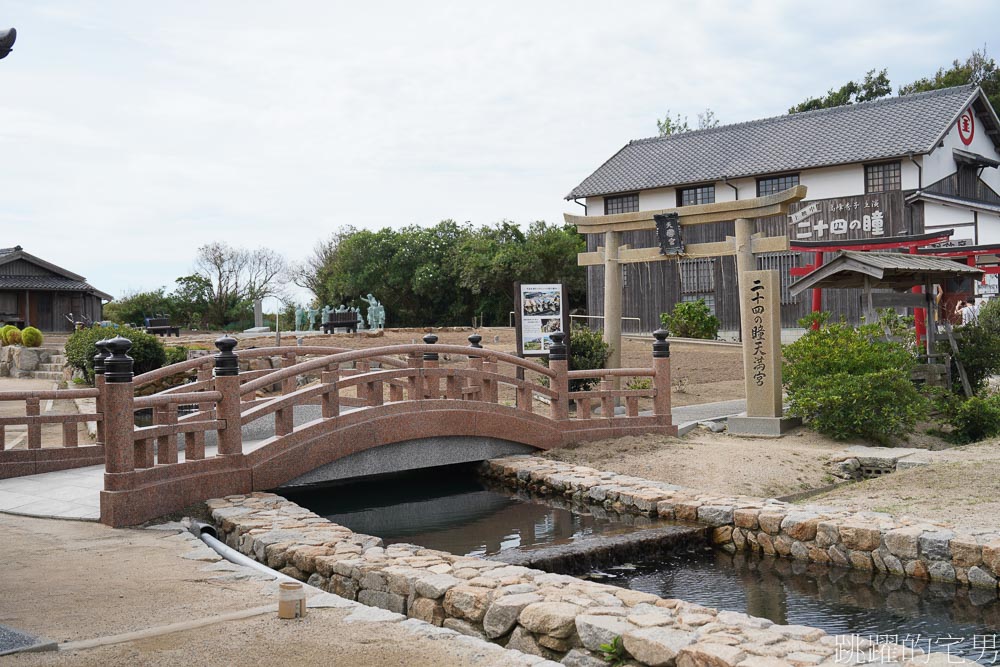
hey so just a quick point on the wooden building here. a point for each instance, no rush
(35, 293)
(900, 166)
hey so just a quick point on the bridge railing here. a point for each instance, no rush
(30, 441)
(146, 476)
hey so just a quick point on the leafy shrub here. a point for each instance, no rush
(976, 419)
(587, 351)
(989, 315)
(979, 352)
(147, 350)
(175, 355)
(849, 382)
(11, 335)
(691, 319)
(31, 337)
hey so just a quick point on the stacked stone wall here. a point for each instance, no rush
(551, 615)
(861, 540)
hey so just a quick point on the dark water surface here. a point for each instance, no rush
(453, 510)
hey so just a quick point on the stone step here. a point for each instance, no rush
(55, 368)
(48, 375)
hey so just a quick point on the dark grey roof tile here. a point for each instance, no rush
(864, 132)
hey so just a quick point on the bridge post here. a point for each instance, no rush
(119, 415)
(283, 417)
(559, 362)
(661, 375)
(432, 387)
(330, 405)
(475, 364)
(99, 359)
(227, 381)
(194, 442)
(415, 383)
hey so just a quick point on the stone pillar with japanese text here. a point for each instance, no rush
(760, 306)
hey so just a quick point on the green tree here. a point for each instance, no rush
(677, 125)
(874, 86)
(978, 69)
(133, 307)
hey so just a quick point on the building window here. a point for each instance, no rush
(698, 281)
(702, 194)
(775, 184)
(621, 204)
(782, 262)
(882, 177)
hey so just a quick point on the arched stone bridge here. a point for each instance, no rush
(326, 407)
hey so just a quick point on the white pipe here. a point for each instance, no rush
(204, 532)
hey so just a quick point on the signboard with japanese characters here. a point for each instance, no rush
(760, 311)
(844, 218)
(540, 312)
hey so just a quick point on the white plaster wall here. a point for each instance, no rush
(660, 198)
(989, 229)
(830, 182)
(940, 162)
(936, 215)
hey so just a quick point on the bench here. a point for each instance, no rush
(161, 327)
(345, 320)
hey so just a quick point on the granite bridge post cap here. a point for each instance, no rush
(558, 351)
(118, 365)
(661, 348)
(227, 363)
(101, 356)
(474, 341)
(430, 339)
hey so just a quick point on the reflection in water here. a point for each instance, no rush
(836, 600)
(451, 509)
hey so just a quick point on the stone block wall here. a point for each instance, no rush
(862, 540)
(20, 362)
(555, 616)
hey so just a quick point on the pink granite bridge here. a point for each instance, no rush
(195, 447)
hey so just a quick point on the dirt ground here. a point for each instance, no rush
(71, 580)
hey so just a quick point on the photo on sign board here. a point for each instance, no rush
(542, 303)
(533, 344)
(550, 324)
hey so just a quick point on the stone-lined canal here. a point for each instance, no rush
(453, 510)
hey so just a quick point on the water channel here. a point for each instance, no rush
(453, 510)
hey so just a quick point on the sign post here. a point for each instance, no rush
(541, 310)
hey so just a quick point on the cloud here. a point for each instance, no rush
(135, 132)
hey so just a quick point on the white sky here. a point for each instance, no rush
(133, 132)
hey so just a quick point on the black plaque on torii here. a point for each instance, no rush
(668, 233)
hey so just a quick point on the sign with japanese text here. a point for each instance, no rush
(844, 218)
(540, 313)
(760, 310)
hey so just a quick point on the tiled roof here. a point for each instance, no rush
(868, 131)
(45, 283)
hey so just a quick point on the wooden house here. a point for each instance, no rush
(901, 166)
(36, 293)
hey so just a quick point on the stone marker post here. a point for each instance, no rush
(258, 314)
(661, 376)
(432, 386)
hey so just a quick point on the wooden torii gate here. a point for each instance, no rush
(760, 316)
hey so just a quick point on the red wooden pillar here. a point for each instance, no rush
(919, 314)
(817, 294)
